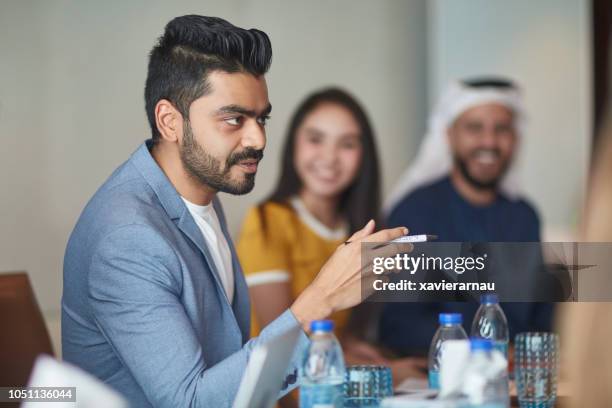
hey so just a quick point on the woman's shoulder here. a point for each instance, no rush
(271, 216)
(265, 241)
(277, 208)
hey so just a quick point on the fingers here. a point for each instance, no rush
(364, 232)
(363, 278)
(386, 235)
(419, 362)
(367, 285)
(387, 251)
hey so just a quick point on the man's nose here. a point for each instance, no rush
(488, 139)
(254, 136)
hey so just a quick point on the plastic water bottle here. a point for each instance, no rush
(485, 383)
(450, 329)
(490, 323)
(322, 372)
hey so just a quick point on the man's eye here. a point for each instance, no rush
(473, 127)
(263, 120)
(503, 129)
(233, 121)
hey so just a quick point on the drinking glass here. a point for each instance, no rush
(536, 364)
(367, 385)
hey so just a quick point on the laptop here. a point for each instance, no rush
(266, 371)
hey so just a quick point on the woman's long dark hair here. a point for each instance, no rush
(360, 201)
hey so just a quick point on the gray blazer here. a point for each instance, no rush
(143, 307)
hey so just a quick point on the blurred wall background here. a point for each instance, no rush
(72, 77)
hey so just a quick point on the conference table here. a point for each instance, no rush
(412, 385)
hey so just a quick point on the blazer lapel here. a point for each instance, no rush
(242, 304)
(188, 226)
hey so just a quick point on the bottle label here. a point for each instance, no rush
(434, 380)
(321, 396)
(502, 347)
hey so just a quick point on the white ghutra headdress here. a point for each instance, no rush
(434, 159)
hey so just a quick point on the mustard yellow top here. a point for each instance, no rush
(293, 248)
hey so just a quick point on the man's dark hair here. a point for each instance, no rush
(489, 82)
(193, 46)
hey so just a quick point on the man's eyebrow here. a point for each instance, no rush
(243, 111)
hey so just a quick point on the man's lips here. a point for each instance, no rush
(250, 166)
(486, 157)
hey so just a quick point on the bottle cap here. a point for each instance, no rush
(481, 344)
(450, 318)
(489, 298)
(322, 326)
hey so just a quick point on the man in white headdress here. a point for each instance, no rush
(463, 187)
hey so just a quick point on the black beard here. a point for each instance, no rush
(479, 185)
(208, 170)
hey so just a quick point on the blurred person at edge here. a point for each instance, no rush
(154, 300)
(328, 186)
(463, 186)
(586, 327)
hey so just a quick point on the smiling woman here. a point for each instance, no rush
(327, 189)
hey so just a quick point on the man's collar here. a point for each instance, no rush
(156, 178)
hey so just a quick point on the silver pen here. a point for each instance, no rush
(406, 239)
(414, 238)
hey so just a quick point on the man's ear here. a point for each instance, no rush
(169, 121)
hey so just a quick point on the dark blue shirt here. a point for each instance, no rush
(408, 328)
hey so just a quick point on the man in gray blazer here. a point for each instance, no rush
(154, 302)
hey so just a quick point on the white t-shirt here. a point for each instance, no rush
(208, 222)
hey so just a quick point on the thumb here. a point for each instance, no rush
(364, 232)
